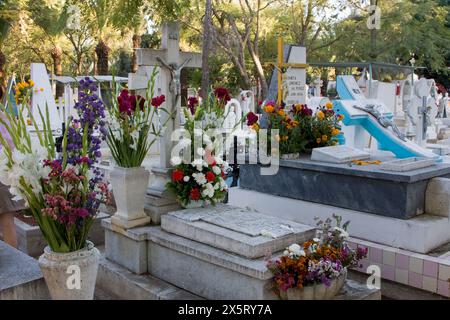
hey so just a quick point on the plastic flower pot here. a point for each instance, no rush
(318, 291)
(70, 276)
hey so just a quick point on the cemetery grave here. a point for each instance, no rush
(164, 186)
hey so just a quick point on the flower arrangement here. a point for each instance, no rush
(299, 127)
(23, 91)
(289, 136)
(130, 122)
(320, 128)
(198, 174)
(63, 191)
(318, 261)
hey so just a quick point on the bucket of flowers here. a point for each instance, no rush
(133, 127)
(316, 269)
(62, 190)
(198, 176)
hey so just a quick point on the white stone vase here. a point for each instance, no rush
(193, 204)
(129, 187)
(318, 291)
(70, 276)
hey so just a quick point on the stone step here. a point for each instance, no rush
(117, 283)
(20, 276)
(241, 231)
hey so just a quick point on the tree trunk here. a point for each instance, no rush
(56, 55)
(2, 75)
(259, 71)
(102, 51)
(136, 45)
(206, 48)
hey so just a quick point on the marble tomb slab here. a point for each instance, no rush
(240, 231)
(407, 164)
(361, 188)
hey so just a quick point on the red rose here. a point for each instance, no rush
(195, 194)
(251, 118)
(177, 175)
(192, 103)
(159, 100)
(210, 176)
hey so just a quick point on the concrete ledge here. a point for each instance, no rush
(31, 241)
(420, 234)
(20, 276)
(126, 285)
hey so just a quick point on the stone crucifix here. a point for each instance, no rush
(171, 61)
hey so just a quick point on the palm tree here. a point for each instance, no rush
(53, 22)
(8, 11)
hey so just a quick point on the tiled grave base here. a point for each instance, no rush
(420, 271)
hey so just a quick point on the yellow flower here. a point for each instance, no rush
(320, 115)
(318, 140)
(277, 137)
(341, 117)
(269, 108)
(324, 138)
(295, 123)
(329, 105)
(298, 107)
(255, 126)
(31, 82)
(29, 122)
(285, 138)
(35, 90)
(281, 112)
(42, 89)
(335, 132)
(334, 143)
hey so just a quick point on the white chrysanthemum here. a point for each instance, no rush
(216, 186)
(216, 170)
(223, 185)
(208, 190)
(219, 160)
(296, 250)
(199, 178)
(186, 178)
(200, 151)
(175, 161)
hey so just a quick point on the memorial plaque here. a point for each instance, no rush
(241, 231)
(338, 154)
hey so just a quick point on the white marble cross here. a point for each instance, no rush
(171, 61)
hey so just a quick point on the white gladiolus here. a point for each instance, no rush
(344, 234)
(217, 186)
(219, 160)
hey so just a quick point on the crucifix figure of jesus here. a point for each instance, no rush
(175, 81)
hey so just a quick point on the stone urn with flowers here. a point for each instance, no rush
(316, 269)
(63, 190)
(130, 124)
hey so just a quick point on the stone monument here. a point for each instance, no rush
(170, 61)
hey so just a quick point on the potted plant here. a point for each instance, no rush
(317, 269)
(199, 172)
(62, 190)
(130, 125)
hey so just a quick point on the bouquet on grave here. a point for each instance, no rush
(320, 128)
(63, 191)
(130, 122)
(198, 176)
(319, 261)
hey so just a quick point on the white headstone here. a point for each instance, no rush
(294, 80)
(43, 97)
